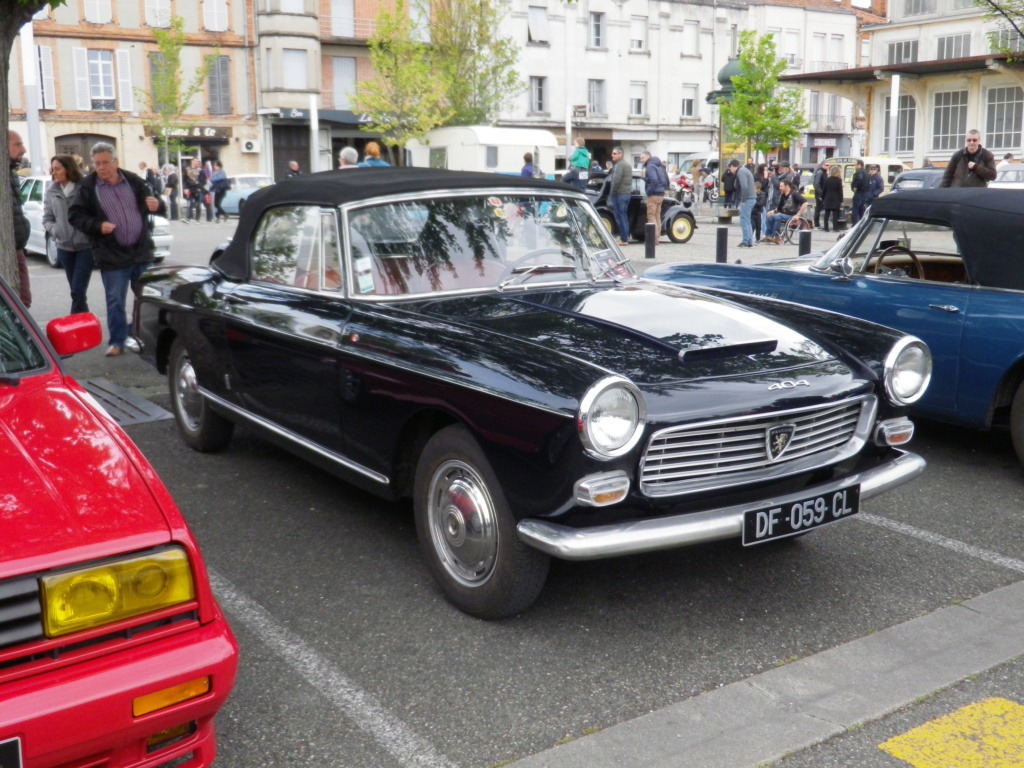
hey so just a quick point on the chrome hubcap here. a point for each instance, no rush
(186, 394)
(463, 524)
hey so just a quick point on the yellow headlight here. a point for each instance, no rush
(105, 593)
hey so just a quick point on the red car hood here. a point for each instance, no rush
(70, 491)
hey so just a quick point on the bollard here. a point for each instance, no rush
(722, 246)
(805, 242)
(650, 240)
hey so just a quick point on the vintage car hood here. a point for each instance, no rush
(70, 492)
(650, 332)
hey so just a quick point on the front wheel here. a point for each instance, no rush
(201, 428)
(467, 533)
(1017, 423)
(680, 229)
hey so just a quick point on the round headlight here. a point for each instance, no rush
(908, 369)
(611, 417)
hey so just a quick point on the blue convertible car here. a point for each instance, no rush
(943, 264)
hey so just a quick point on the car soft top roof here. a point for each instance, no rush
(334, 188)
(988, 224)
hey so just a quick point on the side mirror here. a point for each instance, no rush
(843, 267)
(74, 333)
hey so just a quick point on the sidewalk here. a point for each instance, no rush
(703, 246)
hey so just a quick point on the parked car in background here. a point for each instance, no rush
(477, 343)
(33, 190)
(941, 264)
(243, 185)
(677, 221)
(918, 178)
(1011, 178)
(113, 651)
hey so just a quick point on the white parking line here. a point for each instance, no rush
(934, 538)
(389, 732)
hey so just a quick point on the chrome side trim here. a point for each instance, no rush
(287, 434)
(653, 534)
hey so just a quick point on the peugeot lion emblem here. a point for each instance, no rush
(778, 438)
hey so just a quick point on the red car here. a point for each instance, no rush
(113, 651)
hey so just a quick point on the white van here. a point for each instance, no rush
(485, 148)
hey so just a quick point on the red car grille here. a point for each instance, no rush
(20, 611)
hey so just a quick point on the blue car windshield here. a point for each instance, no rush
(477, 241)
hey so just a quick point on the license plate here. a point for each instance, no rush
(10, 753)
(793, 517)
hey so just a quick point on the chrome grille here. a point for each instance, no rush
(715, 453)
(20, 611)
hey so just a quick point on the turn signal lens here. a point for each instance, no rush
(602, 490)
(91, 597)
(176, 694)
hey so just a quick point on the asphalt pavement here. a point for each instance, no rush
(832, 708)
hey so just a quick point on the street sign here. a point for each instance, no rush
(579, 111)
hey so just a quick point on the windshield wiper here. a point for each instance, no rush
(535, 269)
(612, 267)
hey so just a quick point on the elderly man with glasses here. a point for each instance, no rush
(972, 166)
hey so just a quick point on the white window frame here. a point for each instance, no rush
(949, 119)
(691, 38)
(637, 98)
(1003, 117)
(343, 70)
(343, 18)
(293, 6)
(953, 46)
(596, 103)
(538, 95)
(597, 30)
(98, 11)
(537, 25)
(688, 107)
(295, 69)
(906, 123)
(901, 52)
(215, 15)
(637, 33)
(47, 83)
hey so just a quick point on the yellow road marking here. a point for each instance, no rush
(985, 734)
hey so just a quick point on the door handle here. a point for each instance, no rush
(945, 308)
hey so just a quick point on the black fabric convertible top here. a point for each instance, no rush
(333, 188)
(988, 224)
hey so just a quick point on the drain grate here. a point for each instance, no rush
(124, 406)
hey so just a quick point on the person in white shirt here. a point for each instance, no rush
(1005, 163)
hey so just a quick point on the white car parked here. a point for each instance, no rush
(33, 188)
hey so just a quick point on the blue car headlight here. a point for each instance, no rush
(908, 369)
(611, 417)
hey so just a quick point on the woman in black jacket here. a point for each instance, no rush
(832, 199)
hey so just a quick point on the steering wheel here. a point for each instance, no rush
(915, 262)
(510, 267)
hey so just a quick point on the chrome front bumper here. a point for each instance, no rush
(635, 536)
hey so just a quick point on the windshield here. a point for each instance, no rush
(488, 240)
(252, 182)
(18, 350)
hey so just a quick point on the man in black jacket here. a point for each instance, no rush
(113, 208)
(859, 185)
(971, 166)
(820, 174)
(16, 150)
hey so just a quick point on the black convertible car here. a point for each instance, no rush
(476, 342)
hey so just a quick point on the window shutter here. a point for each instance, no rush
(98, 11)
(215, 15)
(83, 94)
(220, 86)
(47, 91)
(343, 18)
(125, 97)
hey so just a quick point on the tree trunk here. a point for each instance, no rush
(13, 15)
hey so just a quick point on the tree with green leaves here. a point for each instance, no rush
(406, 98)
(1008, 15)
(13, 14)
(168, 98)
(474, 61)
(762, 112)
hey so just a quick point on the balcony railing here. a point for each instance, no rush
(792, 61)
(828, 66)
(827, 124)
(347, 27)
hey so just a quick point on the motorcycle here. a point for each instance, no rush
(682, 190)
(711, 188)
